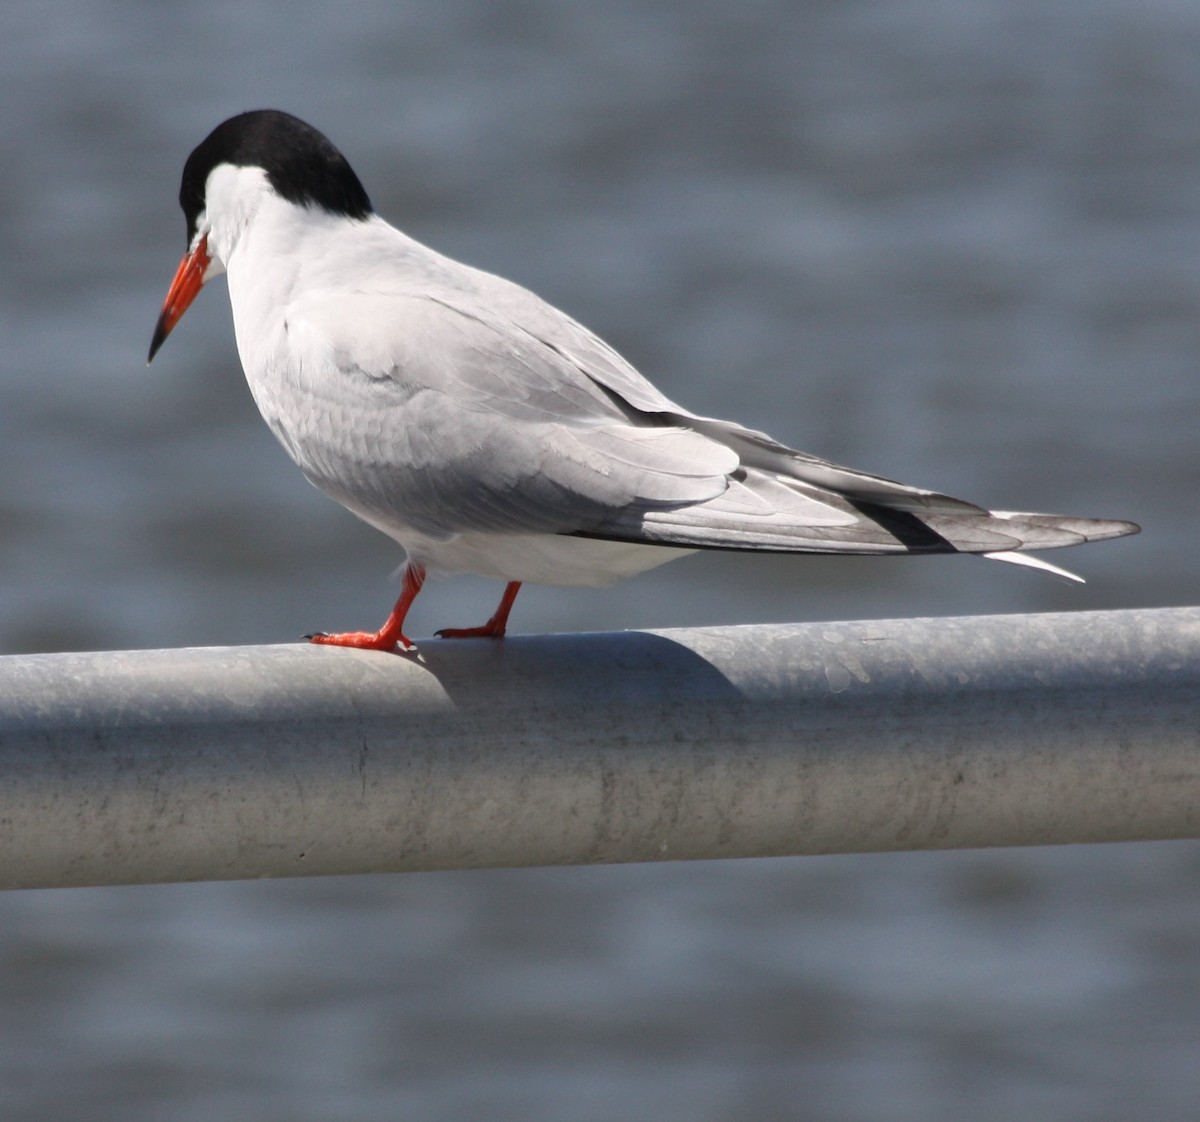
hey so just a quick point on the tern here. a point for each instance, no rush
(486, 431)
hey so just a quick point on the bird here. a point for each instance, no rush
(487, 432)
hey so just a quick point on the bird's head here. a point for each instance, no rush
(260, 153)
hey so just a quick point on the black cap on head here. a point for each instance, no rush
(301, 164)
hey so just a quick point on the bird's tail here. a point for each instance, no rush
(785, 501)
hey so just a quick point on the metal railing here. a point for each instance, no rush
(220, 763)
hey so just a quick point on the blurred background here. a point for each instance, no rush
(953, 243)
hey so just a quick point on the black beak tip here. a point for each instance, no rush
(157, 340)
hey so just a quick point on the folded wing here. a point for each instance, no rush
(495, 412)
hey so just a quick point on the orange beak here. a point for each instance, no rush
(189, 278)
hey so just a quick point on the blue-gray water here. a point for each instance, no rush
(956, 243)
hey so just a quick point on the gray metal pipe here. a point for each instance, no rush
(221, 763)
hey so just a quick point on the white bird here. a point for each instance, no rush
(486, 431)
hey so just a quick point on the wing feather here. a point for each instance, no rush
(480, 408)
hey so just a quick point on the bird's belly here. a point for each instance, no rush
(337, 440)
(556, 559)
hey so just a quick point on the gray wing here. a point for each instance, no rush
(499, 413)
(452, 419)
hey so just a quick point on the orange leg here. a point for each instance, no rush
(494, 628)
(391, 633)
